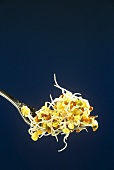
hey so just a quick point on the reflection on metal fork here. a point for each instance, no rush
(18, 105)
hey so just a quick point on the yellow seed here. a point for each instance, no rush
(44, 107)
(49, 124)
(39, 116)
(55, 124)
(44, 125)
(77, 112)
(86, 105)
(76, 118)
(66, 130)
(39, 132)
(79, 102)
(71, 126)
(56, 113)
(86, 113)
(95, 125)
(59, 105)
(35, 136)
(25, 111)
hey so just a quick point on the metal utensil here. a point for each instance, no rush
(18, 105)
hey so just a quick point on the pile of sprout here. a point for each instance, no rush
(63, 115)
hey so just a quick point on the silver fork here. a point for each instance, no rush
(18, 105)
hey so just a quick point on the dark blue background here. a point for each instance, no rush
(75, 40)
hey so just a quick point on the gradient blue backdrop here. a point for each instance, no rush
(75, 40)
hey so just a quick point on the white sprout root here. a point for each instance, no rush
(63, 115)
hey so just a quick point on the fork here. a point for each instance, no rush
(18, 105)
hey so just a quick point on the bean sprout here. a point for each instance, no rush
(63, 115)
